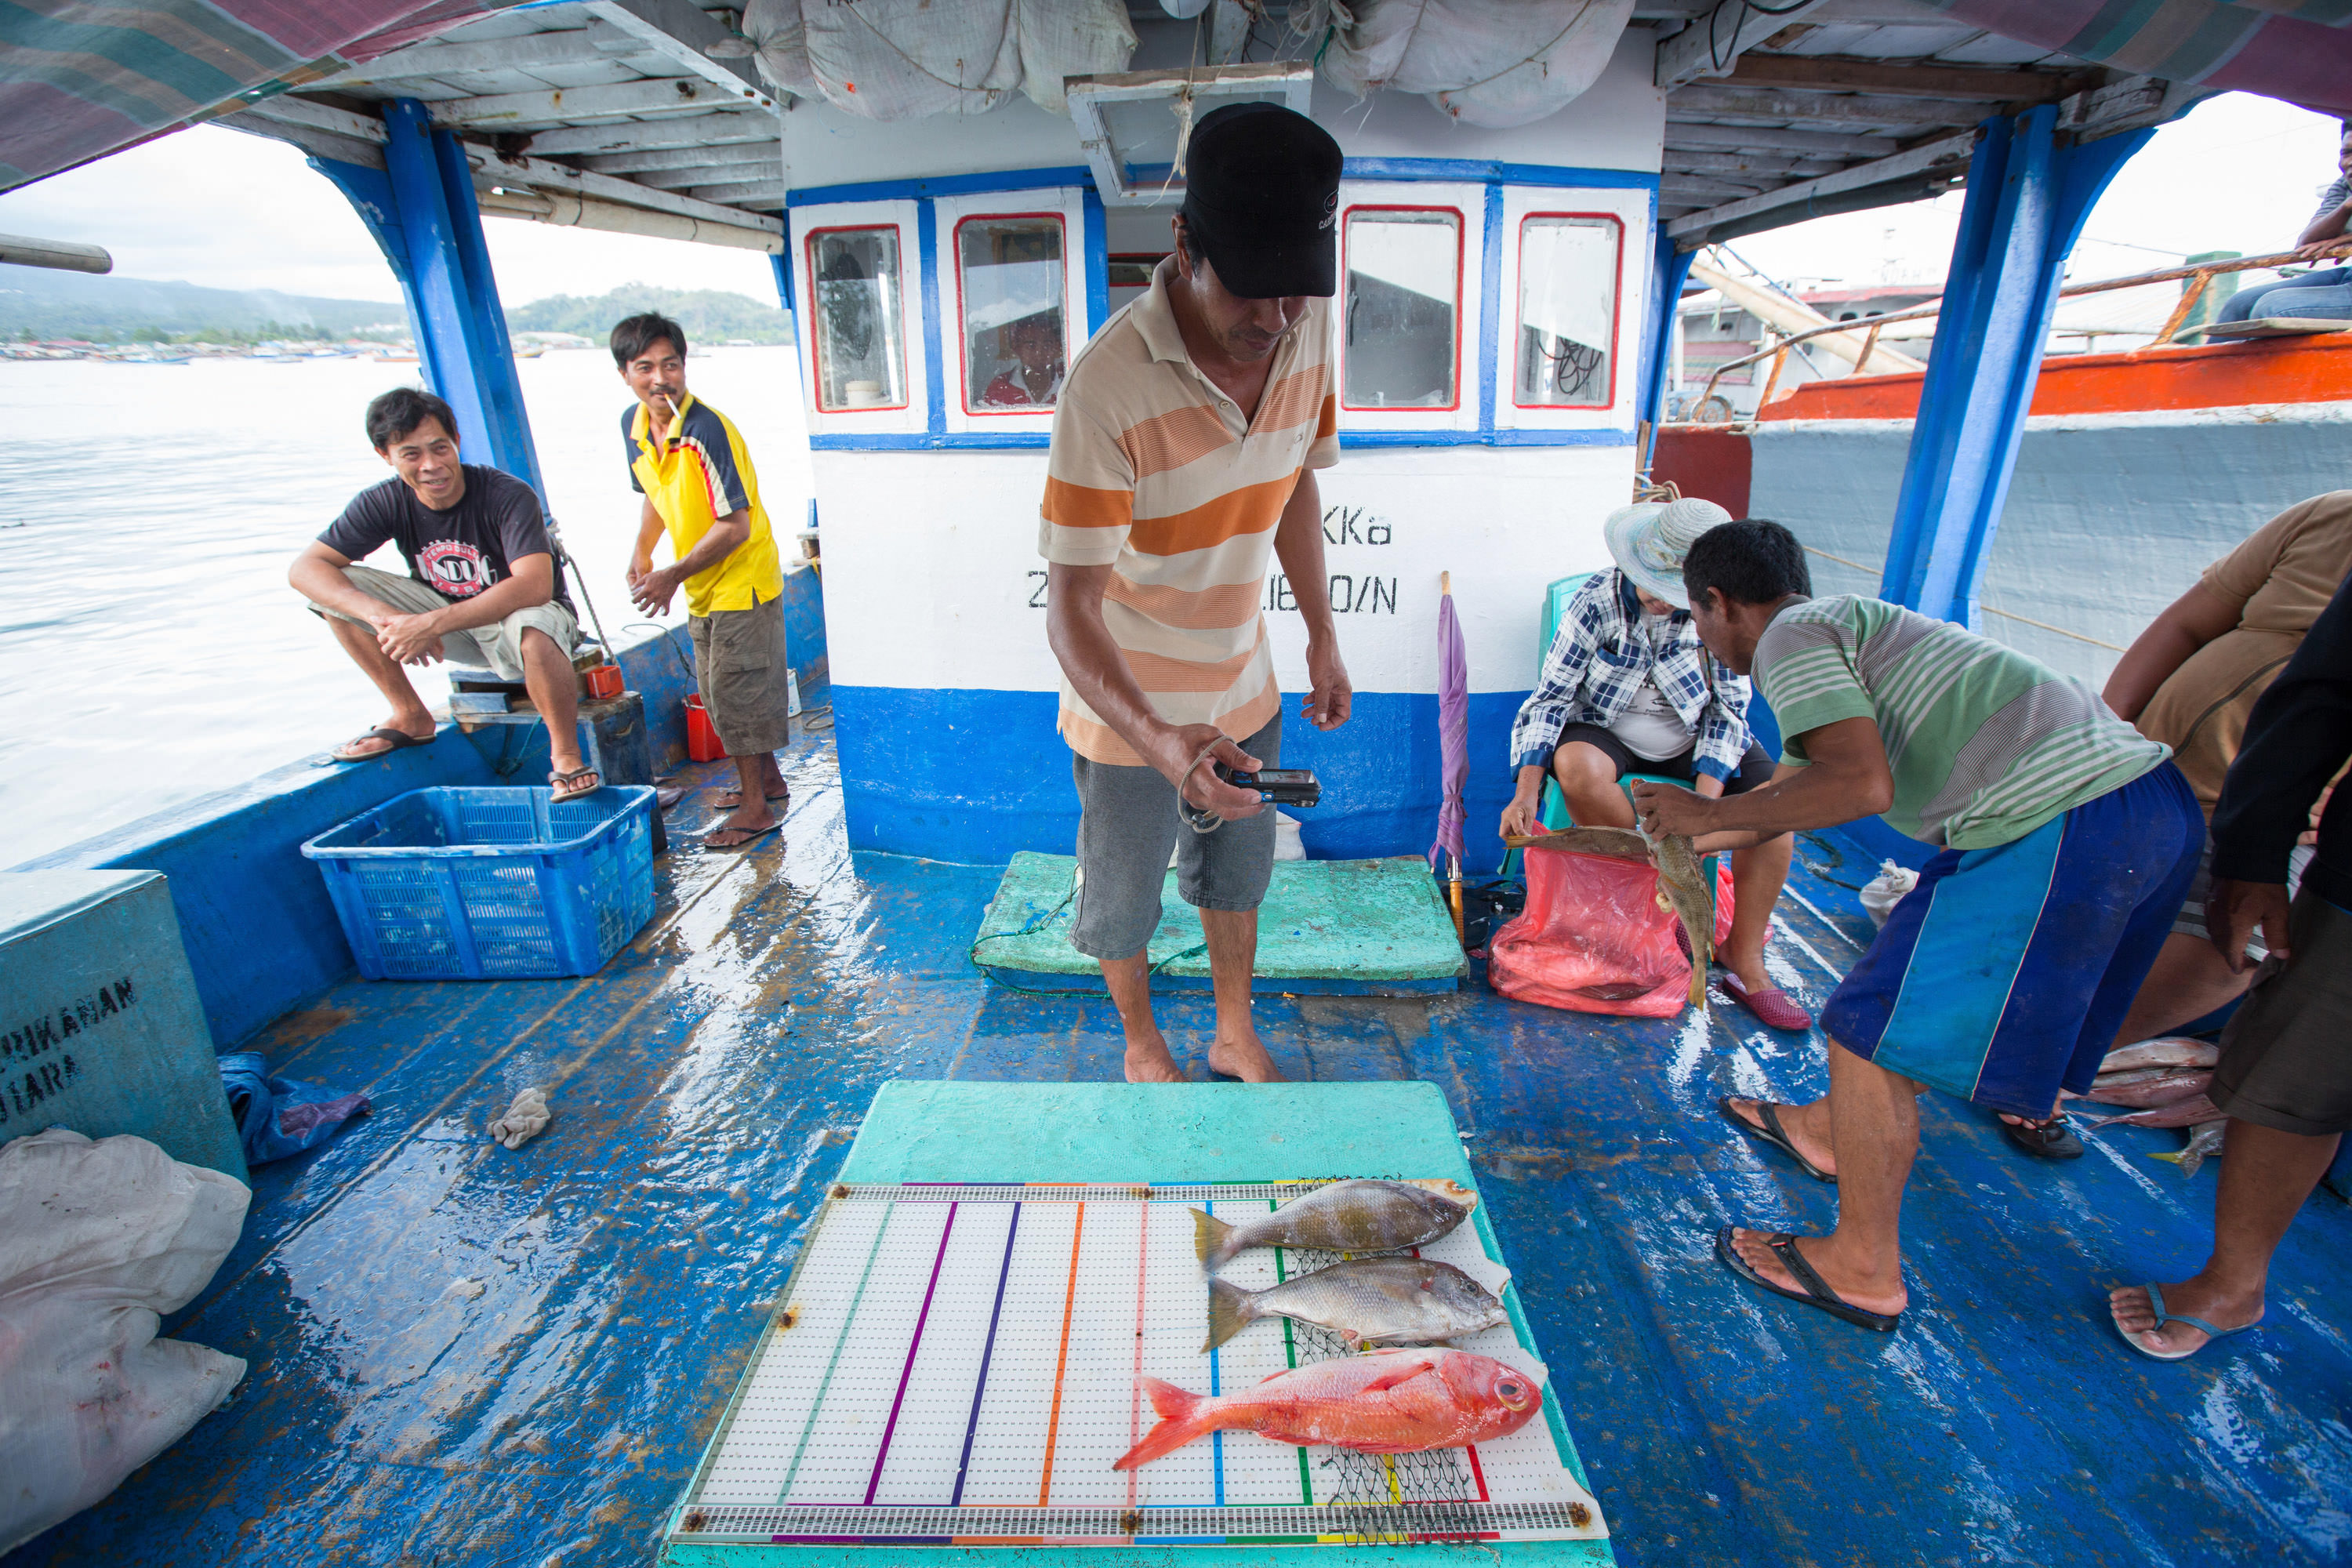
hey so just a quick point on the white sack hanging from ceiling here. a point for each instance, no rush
(901, 59)
(1488, 63)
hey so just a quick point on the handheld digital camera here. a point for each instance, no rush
(1283, 786)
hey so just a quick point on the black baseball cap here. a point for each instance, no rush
(1262, 201)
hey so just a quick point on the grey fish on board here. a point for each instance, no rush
(2204, 1144)
(1346, 1216)
(2149, 1088)
(2172, 1051)
(1370, 1300)
(2188, 1112)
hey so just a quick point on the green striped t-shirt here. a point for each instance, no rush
(1986, 744)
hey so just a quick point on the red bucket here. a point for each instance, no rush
(702, 743)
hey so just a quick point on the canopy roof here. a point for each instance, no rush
(655, 108)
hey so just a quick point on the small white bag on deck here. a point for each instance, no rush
(97, 1241)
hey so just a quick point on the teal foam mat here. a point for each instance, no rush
(1362, 927)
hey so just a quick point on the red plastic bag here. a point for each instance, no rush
(1595, 939)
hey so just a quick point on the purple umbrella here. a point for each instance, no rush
(1452, 738)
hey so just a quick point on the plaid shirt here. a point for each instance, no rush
(1599, 659)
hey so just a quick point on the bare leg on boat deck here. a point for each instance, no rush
(1875, 1117)
(751, 817)
(1756, 877)
(1237, 1052)
(409, 714)
(1128, 981)
(2264, 1179)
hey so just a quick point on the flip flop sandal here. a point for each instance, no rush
(2051, 1139)
(757, 834)
(1769, 1002)
(558, 794)
(1772, 1132)
(401, 741)
(1816, 1292)
(2156, 1300)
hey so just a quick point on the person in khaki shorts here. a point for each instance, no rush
(690, 462)
(482, 587)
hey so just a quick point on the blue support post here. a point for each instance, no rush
(420, 207)
(1669, 270)
(2028, 193)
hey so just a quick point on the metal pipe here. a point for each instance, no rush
(62, 254)
(586, 212)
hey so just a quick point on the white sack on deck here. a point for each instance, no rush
(1492, 65)
(900, 60)
(97, 1240)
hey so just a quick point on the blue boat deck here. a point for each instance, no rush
(464, 1355)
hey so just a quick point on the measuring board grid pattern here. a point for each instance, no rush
(954, 1364)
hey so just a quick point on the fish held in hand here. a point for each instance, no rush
(1682, 885)
(2169, 1052)
(1373, 1300)
(1390, 1402)
(1346, 1216)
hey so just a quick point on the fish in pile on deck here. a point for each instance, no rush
(1682, 886)
(1372, 1300)
(2204, 1144)
(1346, 1216)
(1387, 1402)
(2143, 1089)
(2169, 1052)
(2191, 1112)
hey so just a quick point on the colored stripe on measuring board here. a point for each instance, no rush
(840, 1339)
(1062, 1364)
(921, 1318)
(988, 1350)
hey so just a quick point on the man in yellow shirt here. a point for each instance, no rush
(689, 463)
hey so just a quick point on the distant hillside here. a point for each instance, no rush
(708, 315)
(37, 303)
(40, 303)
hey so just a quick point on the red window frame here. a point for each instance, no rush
(1616, 308)
(816, 334)
(964, 367)
(1461, 257)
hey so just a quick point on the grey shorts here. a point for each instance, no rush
(742, 665)
(2286, 1060)
(497, 648)
(2190, 922)
(1127, 826)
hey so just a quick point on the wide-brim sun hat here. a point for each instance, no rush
(1649, 539)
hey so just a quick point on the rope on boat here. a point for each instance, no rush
(1988, 609)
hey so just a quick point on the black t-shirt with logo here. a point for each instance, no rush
(458, 552)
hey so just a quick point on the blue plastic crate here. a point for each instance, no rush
(471, 883)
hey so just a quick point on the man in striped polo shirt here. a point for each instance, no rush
(1185, 445)
(2065, 841)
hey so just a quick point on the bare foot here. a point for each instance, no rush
(1806, 1125)
(1244, 1058)
(740, 826)
(1854, 1289)
(417, 727)
(772, 782)
(2135, 1314)
(1148, 1061)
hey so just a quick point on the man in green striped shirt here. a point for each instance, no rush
(2064, 841)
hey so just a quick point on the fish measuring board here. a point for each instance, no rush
(956, 1365)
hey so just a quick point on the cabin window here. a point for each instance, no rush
(860, 331)
(1402, 346)
(1009, 272)
(1568, 310)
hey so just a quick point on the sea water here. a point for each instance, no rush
(150, 651)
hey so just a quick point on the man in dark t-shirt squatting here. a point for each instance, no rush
(481, 589)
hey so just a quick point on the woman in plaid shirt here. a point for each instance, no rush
(1626, 689)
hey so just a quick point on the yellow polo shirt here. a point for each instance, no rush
(699, 474)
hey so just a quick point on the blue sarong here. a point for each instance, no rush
(2006, 972)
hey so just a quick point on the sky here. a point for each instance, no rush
(227, 210)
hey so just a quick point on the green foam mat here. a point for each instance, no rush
(1366, 927)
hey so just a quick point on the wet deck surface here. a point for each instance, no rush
(464, 1355)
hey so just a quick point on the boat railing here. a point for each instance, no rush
(2199, 278)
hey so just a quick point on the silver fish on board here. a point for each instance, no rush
(1372, 1300)
(2149, 1088)
(2188, 1112)
(2169, 1052)
(1346, 1216)
(2204, 1144)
